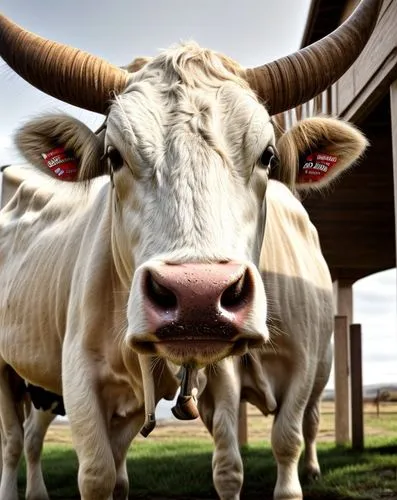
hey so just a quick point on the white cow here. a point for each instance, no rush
(110, 284)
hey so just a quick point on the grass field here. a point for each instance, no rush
(175, 461)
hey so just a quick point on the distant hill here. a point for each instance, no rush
(369, 391)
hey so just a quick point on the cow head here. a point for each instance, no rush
(188, 192)
(189, 147)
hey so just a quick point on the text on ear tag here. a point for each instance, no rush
(62, 164)
(315, 167)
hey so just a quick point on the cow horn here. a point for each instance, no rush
(61, 71)
(297, 78)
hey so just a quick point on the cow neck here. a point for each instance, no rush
(123, 260)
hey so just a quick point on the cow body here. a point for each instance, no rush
(56, 222)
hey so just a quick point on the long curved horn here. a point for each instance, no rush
(297, 78)
(61, 71)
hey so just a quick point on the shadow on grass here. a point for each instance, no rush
(183, 471)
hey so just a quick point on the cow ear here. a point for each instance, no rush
(316, 150)
(62, 147)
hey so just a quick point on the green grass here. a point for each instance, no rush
(388, 422)
(182, 470)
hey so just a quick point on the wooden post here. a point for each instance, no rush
(242, 424)
(343, 299)
(356, 388)
(341, 369)
(393, 111)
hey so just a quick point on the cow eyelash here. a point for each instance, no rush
(114, 158)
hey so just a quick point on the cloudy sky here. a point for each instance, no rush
(251, 31)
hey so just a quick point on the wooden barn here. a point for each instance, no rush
(357, 224)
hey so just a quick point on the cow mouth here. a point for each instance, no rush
(194, 351)
(200, 351)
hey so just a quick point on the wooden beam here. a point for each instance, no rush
(343, 299)
(341, 371)
(310, 22)
(356, 388)
(243, 424)
(393, 111)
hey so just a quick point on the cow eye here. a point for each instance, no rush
(267, 156)
(114, 157)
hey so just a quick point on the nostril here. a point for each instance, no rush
(238, 293)
(158, 294)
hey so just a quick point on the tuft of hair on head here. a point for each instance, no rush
(196, 66)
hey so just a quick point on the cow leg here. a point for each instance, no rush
(311, 419)
(12, 417)
(219, 407)
(122, 432)
(97, 471)
(311, 468)
(89, 426)
(36, 426)
(287, 439)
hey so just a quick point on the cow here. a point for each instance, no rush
(173, 241)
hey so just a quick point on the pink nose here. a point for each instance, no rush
(197, 301)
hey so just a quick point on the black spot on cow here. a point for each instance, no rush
(46, 400)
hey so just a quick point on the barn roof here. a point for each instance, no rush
(323, 18)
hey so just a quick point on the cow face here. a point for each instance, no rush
(188, 146)
(185, 142)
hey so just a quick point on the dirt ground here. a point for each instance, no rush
(258, 426)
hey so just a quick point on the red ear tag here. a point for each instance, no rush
(61, 164)
(315, 167)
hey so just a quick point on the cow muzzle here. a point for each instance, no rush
(200, 313)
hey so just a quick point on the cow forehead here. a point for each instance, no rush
(188, 90)
(147, 123)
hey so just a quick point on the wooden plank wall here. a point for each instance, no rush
(369, 79)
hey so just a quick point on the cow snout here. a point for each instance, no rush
(195, 293)
(199, 312)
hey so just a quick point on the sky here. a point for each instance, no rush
(251, 31)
